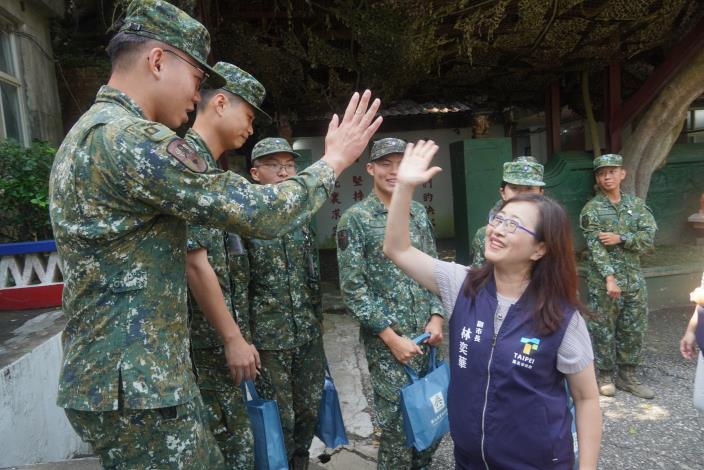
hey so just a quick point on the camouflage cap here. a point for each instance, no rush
(608, 159)
(383, 147)
(244, 85)
(164, 22)
(525, 158)
(272, 145)
(524, 171)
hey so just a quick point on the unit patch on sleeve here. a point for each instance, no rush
(184, 153)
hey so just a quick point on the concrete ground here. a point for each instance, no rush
(664, 433)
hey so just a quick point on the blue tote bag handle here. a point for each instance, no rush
(409, 370)
(269, 447)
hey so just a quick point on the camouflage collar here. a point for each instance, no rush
(374, 204)
(201, 147)
(625, 197)
(108, 94)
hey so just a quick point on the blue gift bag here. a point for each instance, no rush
(424, 404)
(330, 428)
(269, 447)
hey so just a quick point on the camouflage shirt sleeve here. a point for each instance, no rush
(199, 237)
(155, 176)
(590, 224)
(642, 239)
(369, 309)
(478, 247)
(436, 307)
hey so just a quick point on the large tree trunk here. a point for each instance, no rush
(651, 141)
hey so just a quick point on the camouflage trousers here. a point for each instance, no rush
(225, 411)
(295, 378)
(174, 437)
(388, 376)
(618, 328)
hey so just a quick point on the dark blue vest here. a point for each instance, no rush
(699, 332)
(507, 402)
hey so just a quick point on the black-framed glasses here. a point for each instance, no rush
(510, 224)
(276, 167)
(205, 74)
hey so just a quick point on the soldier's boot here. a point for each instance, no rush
(299, 462)
(627, 381)
(605, 380)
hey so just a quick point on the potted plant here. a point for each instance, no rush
(30, 270)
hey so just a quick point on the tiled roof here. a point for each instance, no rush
(411, 108)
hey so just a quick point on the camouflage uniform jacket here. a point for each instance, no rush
(121, 191)
(238, 267)
(376, 292)
(285, 309)
(213, 240)
(631, 219)
(479, 239)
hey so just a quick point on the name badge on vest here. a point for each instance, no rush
(468, 336)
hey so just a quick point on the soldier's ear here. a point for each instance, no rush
(220, 102)
(254, 172)
(370, 169)
(155, 58)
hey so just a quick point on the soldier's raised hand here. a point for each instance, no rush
(346, 139)
(414, 168)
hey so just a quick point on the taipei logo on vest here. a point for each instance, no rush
(523, 358)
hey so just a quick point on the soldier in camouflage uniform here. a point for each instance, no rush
(286, 313)
(521, 175)
(122, 188)
(618, 228)
(221, 115)
(391, 307)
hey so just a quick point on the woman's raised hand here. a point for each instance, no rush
(416, 160)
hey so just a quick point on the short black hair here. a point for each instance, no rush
(124, 46)
(207, 94)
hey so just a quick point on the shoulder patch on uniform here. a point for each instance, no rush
(187, 155)
(157, 133)
(343, 239)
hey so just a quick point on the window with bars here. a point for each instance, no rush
(11, 120)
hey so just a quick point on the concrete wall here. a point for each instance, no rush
(355, 183)
(37, 70)
(32, 428)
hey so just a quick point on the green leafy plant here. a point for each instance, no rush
(24, 188)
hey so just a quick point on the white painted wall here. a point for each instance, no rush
(355, 183)
(32, 428)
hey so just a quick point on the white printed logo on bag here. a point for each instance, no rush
(438, 402)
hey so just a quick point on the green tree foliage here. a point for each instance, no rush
(24, 188)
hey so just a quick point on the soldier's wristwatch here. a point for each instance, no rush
(622, 238)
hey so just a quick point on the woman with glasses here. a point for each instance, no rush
(515, 333)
